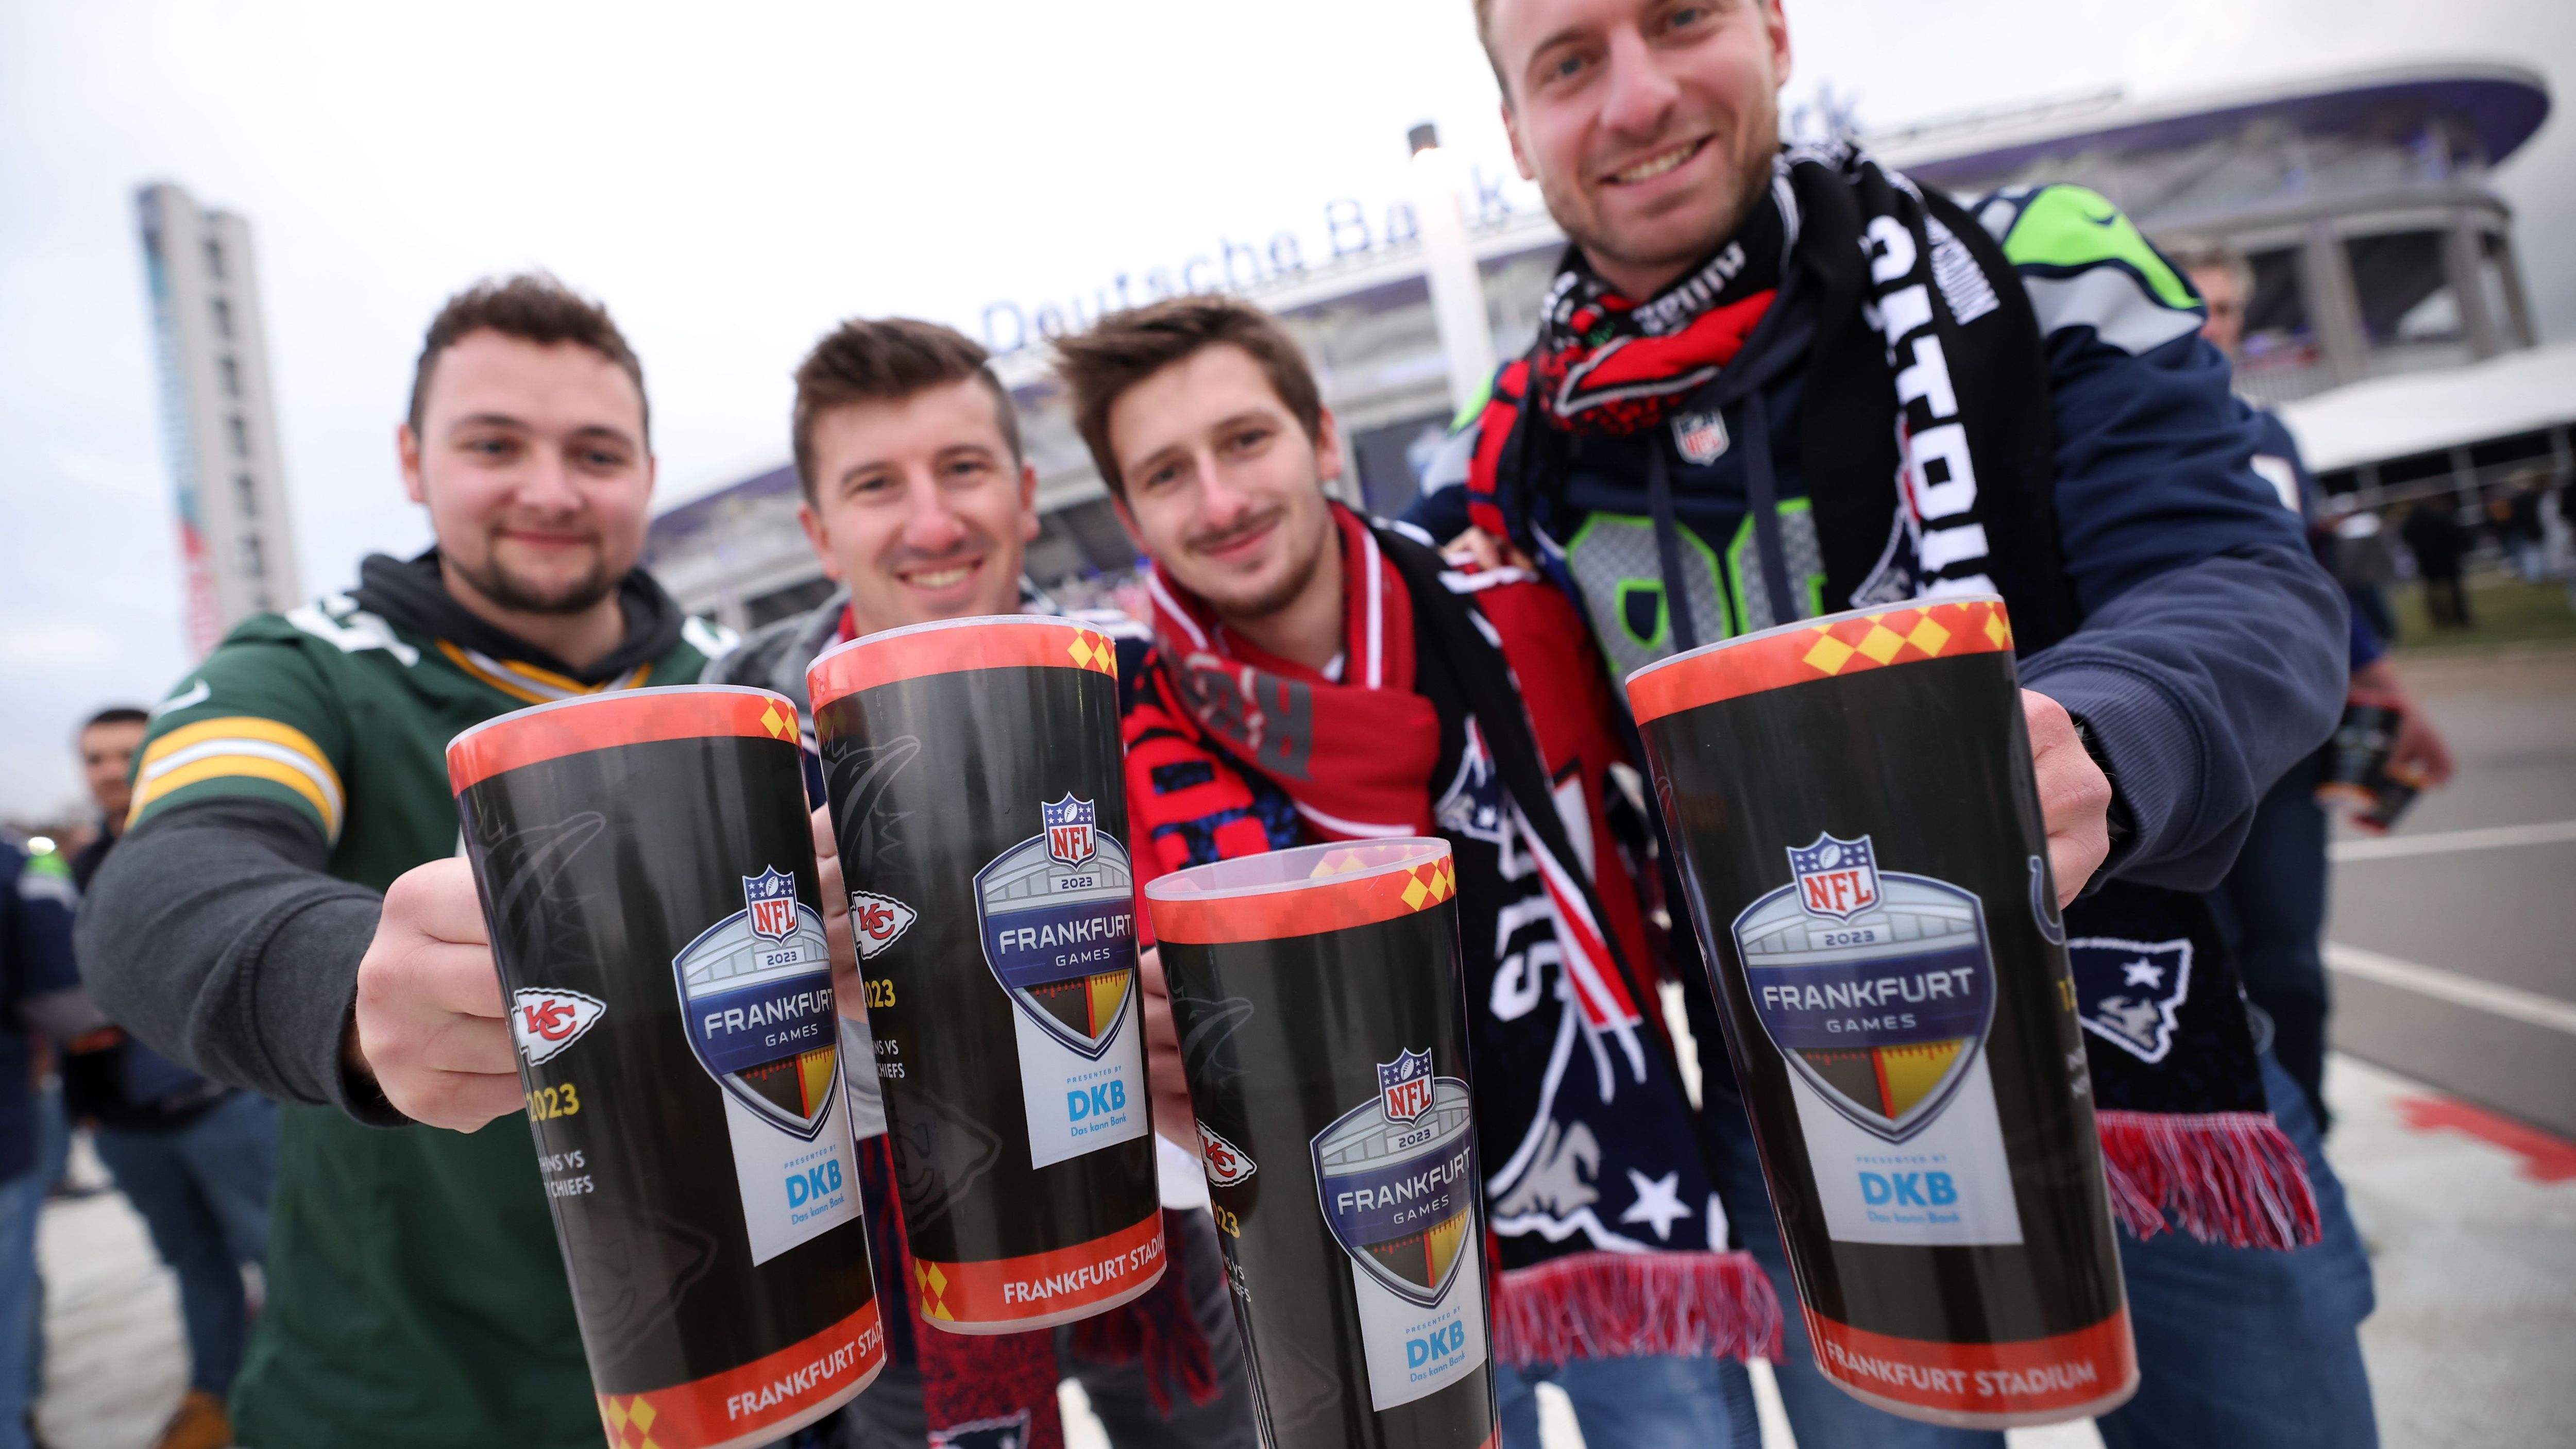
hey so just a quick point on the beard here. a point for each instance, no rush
(522, 595)
(1278, 596)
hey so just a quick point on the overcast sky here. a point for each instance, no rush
(733, 179)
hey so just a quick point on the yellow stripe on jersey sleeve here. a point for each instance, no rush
(240, 747)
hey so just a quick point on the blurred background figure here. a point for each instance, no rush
(196, 1158)
(2272, 906)
(40, 993)
(2441, 548)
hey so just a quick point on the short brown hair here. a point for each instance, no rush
(1099, 366)
(888, 359)
(532, 307)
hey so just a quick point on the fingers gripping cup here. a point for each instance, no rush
(647, 872)
(975, 780)
(1316, 993)
(1867, 867)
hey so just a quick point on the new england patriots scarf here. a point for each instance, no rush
(1606, 1229)
(1929, 463)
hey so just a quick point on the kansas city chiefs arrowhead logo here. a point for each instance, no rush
(878, 921)
(1226, 1163)
(546, 1021)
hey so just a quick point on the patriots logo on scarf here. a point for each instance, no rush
(2128, 991)
(771, 899)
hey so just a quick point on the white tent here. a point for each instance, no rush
(2425, 412)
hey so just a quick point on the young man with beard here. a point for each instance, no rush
(1421, 702)
(920, 507)
(288, 912)
(1772, 383)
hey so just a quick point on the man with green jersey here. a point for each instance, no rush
(287, 911)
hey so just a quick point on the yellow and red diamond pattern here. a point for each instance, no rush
(1431, 884)
(1094, 651)
(779, 726)
(636, 1414)
(1927, 632)
(934, 1289)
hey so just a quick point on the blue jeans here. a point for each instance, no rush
(2272, 910)
(1646, 1402)
(22, 1202)
(2246, 1348)
(203, 1190)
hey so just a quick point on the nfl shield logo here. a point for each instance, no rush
(1404, 1086)
(1836, 879)
(1068, 829)
(1700, 436)
(771, 900)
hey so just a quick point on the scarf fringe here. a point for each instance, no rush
(1612, 1305)
(2223, 1177)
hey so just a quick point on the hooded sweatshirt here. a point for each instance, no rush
(415, 1293)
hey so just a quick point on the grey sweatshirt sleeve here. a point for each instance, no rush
(2202, 686)
(215, 934)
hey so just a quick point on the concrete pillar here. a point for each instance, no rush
(2517, 303)
(2334, 309)
(2464, 264)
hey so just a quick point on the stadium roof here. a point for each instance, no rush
(2425, 412)
(2501, 105)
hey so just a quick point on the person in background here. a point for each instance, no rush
(1424, 701)
(2364, 564)
(2440, 545)
(2272, 906)
(288, 911)
(920, 507)
(40, 992)
(196, 1158)
(2524, 535)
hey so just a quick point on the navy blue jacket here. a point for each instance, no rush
(2211, 652)
(35, 960)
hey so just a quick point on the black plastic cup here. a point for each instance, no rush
(1318, 998)
(977, 791)
(1862, 848)
(648, 876)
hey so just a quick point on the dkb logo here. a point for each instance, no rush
(814, 1185)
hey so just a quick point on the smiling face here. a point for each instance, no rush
(1649, 125)
(1223, 488)
(920, 507)
(532, 462)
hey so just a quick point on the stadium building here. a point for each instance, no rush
(2384, 263)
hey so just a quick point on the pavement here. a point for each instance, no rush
(2453, 1089)
(2449, 943)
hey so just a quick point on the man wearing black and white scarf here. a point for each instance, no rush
(1777, 383)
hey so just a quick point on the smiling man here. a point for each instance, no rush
(920, 507)
(1421, 701)
(287, 911)
(1772, 383)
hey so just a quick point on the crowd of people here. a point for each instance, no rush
(1770, 382)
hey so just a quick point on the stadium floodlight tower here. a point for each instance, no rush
(2362, 199)
(218, 420)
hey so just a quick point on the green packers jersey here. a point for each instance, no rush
(415, 1292)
